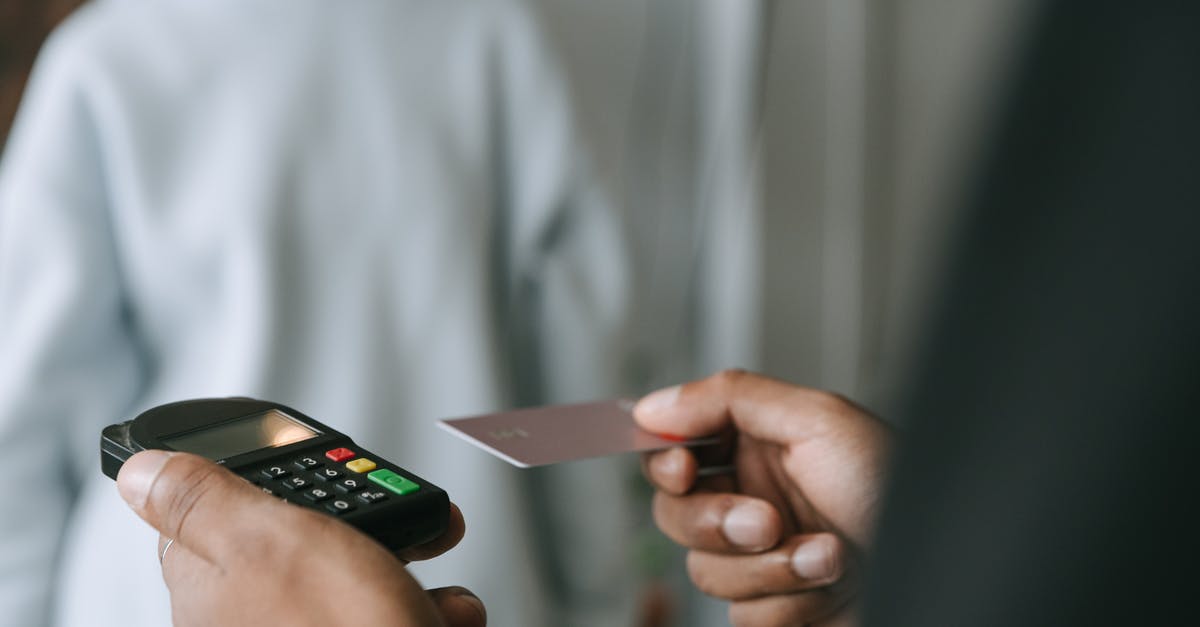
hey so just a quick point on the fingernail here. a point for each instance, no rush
(475, 603)
(138, 474)
(746, 526)
(658, 401)
(814, 561)
(667, 464)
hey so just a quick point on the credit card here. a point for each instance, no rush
(553, 434)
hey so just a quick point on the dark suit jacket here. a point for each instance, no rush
(1049, 474)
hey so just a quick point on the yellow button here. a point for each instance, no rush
(361, 464)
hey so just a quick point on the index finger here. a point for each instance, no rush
(198, 503)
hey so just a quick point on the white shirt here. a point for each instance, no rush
(371, 211)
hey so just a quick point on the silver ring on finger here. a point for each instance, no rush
(163, 552)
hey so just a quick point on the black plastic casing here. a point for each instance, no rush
(399, 522)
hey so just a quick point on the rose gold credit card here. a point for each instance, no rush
(561, 433)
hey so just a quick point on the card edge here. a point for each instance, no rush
(445, 425)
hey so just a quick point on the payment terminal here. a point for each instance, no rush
(293, 457)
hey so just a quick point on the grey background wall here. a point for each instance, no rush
(822, 193)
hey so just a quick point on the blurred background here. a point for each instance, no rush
(784, 173)
(24, 24)
(816, 145)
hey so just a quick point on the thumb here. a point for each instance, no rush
(459, 607)
(762, 407)
(193, 500)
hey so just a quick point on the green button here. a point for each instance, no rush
(393, 481)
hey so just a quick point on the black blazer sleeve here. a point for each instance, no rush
(1050, 464)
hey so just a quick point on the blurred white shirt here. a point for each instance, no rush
(371, 211)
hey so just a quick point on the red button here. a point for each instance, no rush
(340, 454)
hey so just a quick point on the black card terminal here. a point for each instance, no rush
(293, 457)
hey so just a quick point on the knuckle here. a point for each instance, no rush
(730, 377)
(833, 402)
(831, 411)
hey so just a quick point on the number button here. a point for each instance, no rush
(295, 483)
(327, 474)
(307, 463)
(275, 472)
(340, 506)
(348, 486)
(316, 495)
(269, 491)
(371, 497)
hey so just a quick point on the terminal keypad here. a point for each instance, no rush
(340, 481)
